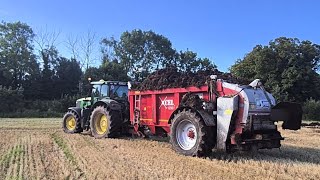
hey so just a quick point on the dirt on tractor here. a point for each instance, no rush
(172, 78)
(39, 149)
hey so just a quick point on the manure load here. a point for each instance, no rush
(172, 78)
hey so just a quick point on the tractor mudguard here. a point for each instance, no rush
(289, 113)
(112, 104)
(76, 110)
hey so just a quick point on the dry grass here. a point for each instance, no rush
(38, 149)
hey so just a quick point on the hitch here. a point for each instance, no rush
(136, 125)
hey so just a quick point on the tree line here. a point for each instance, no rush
(32, 67)
(289, 69)
(32, 62)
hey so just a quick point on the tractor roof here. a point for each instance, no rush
(109, 82)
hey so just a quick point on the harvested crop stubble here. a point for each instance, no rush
(41, 150)
(172, 78)
(312, 124)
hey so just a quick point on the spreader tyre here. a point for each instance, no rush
(189, 135)
(71, 123)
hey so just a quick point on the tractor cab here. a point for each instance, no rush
(104, 90)
(109, 89)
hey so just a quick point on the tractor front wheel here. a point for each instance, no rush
(71, 123)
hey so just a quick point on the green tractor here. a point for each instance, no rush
(104, 113)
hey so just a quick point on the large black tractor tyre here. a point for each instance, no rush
(105, 123)
(190, 136)
(71, 123)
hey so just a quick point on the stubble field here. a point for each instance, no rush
(39, 149)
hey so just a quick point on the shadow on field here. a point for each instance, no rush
(88, 133)
(285, 154)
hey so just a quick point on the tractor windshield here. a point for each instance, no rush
(96, 90)
(110, 90)
(118, 91)
(104, 90)
(100, 90)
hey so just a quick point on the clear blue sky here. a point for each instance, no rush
(223, 31)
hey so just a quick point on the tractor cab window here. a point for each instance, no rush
(104, 90)
(119, 91)
(96, 90)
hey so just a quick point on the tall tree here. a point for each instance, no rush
(48, 57)
(68, 76)
(46, 46)
(114, 71)
(141, 51)
(95, 73)
(288, 67)
(46, 85)
(83, 48)
(87, 45)
(18, 65)
(189, 62)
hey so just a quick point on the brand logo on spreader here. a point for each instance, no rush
(167, 103)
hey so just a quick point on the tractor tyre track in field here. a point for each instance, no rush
(75, 171)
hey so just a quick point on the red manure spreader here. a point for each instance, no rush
(218, 115)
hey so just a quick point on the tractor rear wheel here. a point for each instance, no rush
(71, 123)
(190, 136)
(104, 123)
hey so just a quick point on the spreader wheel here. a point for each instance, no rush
(189, 135)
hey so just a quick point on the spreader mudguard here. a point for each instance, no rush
(289, 113)
(226, 109)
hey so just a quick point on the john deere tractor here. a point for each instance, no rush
(104, 113)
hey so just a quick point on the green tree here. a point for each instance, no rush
(18, 65)
(113, 71)
(68, 76)
(189, 62)
(11, 100)
(287, 66)
(140, 52)
(50, 58)
(95, 73)
(311, 110)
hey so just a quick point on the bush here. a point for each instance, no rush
(311, 110)
(31, 114)
(13, 105)
(11, 100)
